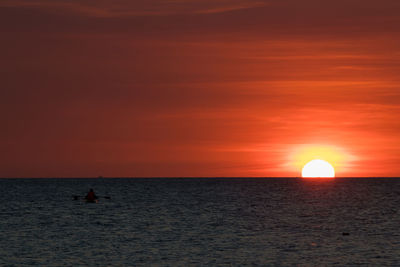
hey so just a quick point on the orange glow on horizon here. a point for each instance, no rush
(338, 158)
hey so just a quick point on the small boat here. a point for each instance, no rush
(91, 200)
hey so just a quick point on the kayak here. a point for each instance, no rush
(91, 201)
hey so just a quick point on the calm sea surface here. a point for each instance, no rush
(201, 222)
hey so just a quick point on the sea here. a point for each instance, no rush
(200, 222)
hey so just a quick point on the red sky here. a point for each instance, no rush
(198, 87)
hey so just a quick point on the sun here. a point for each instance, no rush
(318, 168)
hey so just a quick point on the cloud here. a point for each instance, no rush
(220, 19)
(124, 8)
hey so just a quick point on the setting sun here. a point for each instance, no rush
(318, 169)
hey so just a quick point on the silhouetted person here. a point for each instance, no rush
(91, 196)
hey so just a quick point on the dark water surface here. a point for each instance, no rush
(201, 222)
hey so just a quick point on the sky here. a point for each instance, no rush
(174, 88)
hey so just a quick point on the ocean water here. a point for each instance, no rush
(201, 222)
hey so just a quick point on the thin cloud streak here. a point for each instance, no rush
(123, 8)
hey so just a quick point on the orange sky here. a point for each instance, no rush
(198, 87)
